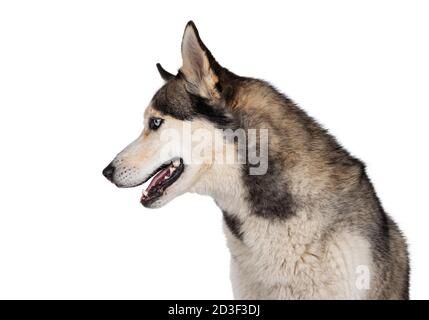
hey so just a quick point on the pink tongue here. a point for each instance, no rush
(158, 178)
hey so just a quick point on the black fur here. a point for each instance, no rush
(164, 73)
(268, 196)
(214, 114)
(233, 224)
(173, 100)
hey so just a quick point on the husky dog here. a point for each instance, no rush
(310, 227)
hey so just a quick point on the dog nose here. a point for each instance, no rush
(109, 171)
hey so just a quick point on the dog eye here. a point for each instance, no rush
(155, 123)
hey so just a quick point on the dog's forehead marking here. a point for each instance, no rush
(150, 111)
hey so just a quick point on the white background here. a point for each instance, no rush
(75, 77)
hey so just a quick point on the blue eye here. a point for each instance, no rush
(155, 123)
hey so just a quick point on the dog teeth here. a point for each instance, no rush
(176, 163)
(171, 170)
(145, 193)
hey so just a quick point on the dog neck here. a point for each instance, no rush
(224, 184)
(305, 162)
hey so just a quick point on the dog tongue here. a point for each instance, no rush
(159, 177)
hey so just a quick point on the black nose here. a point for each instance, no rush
(108, 172)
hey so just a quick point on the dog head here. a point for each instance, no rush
(173, 149)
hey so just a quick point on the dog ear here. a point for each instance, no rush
(198, 66)
(164, 73)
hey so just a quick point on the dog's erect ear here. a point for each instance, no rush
(164, 73)
(198, 65)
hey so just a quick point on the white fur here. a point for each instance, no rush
(286, 259)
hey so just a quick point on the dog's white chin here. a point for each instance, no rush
(164, 199)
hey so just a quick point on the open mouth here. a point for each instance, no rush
(161, 179)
